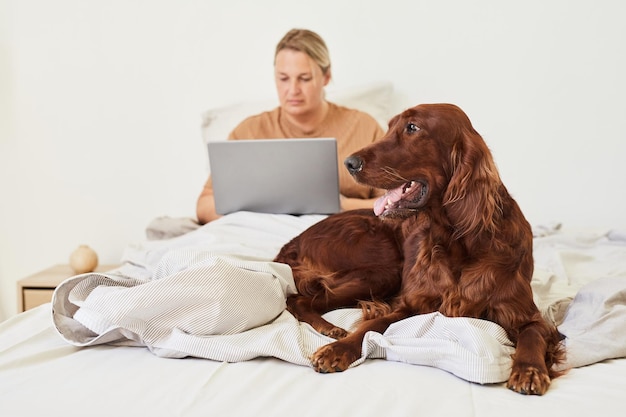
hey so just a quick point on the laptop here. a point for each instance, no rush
(281, 176)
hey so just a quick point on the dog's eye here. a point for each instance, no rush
(412, 128)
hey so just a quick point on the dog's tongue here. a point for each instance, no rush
(391, 195)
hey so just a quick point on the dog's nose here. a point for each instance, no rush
(354, 164)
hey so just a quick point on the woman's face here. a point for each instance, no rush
(299, 82)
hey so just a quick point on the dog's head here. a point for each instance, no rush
(430, 156)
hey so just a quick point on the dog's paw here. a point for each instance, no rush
(335, 333)
(335, 357)
(528, 381)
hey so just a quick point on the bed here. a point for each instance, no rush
(201, 330)
(194, 323)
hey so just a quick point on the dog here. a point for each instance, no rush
(446, 236)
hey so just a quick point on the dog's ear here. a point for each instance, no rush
(472, 197)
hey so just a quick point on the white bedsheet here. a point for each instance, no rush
(43, 374)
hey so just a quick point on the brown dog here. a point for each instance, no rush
(446, 237)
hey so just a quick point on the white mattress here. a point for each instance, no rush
(42, 374)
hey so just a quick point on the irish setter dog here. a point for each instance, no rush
(446, 237)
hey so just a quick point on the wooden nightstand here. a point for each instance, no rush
(37, 289)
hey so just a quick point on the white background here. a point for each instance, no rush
(101, 103)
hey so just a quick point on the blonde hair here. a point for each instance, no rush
(310, 43)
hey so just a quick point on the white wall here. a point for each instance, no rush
(101, 102)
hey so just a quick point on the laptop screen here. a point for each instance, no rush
(283, 176)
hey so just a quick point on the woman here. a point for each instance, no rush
(301, 71)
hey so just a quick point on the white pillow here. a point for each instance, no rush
(374, 99)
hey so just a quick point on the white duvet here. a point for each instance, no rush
(214, 293)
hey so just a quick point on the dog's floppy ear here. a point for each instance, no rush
(472, 197)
